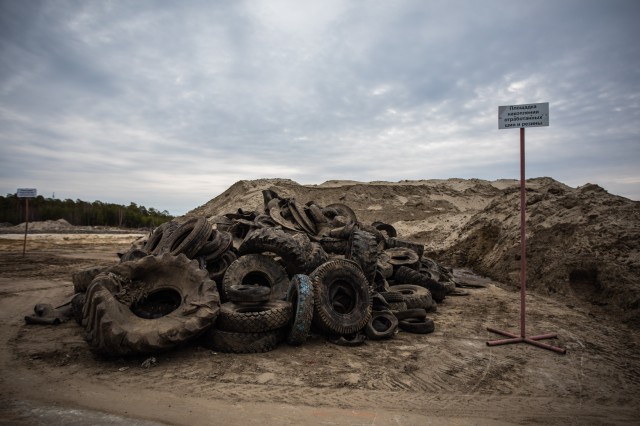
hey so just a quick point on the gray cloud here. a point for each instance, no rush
(167, 104)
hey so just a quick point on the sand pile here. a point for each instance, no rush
(583, 241)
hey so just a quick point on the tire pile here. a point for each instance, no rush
(246, 281)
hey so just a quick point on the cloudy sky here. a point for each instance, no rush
(168, 103)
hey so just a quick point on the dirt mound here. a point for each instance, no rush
(583, 242)
(46, 225)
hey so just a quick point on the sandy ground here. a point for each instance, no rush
(448, 377)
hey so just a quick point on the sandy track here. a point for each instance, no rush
(448, 377)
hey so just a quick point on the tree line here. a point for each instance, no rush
(80, 213)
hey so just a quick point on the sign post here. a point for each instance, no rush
(26, 193)
(514, 116)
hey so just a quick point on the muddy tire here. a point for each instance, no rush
(133, 254)
(77, 305)
(254, 319)
(257, 269)
(415, 296)
(83, 278)
(392, 296)
(300, 295)
(363, 249)
(402, 256)
(410, 313)
(382, 325)
(396, 243)
(112, 327)
(316, 257)
(241, 343)
(278, 242)
(158, 236)
(342, 302)
(218, 268)
(417, 325)
(334, 245)
(189, 238)
(411, 276)
(248, 293)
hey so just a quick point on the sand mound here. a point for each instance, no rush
(583, 241)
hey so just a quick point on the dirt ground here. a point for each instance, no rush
(451, 376)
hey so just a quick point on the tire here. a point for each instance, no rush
(132, 255)
(300, 216)
(395, 243)
(278, 242)
(316, 257)
(386, 228)
(257, 269)
(397, 306)
(392, 296)
(159, 234)
(344, 210)
(248, 293)
(382, 325)
(254, 319)
(417, 325)
(334, 245)
(300, 295)
(342, 302)
(241, 343)
(218, 267)
(401, 256)
(411, 276)
(189, 238)
(411, 313)
(83, 278)
(112, 327)
(363, 249)
(415, 296)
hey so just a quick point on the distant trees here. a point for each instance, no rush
(80, 212)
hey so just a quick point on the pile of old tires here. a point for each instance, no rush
(246, 281)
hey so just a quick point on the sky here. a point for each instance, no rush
(168, 103)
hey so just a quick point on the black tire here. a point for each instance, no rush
(411, 276)
(300, 216)
(410, 313)
(386, 228)
(344, 210)
(415, 296)
(112, 327)
(383, 266)
(350, 340)
(212, 245)
(218, 267)
(334, 245)
(189, 238)
(300, 295)
(363, 249)
(159, 234)
(241, 343)
(392, 296)
(395, 242)
(342, 302)
(417, 325)
(132, 255)
(83, 278)
(276, 241)
(254, 319)
(257, 269)
(397, 306)
(316, 257)
(248, 293)
(382, 325)
(402, 256)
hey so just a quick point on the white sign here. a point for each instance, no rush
(27, 192)
(527, 115)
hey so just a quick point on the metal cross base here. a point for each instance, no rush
(530, 340)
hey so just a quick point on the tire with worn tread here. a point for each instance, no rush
(189, 238)
(300, 295)
(267, 316)
(342, 301)
(279, 242)
(112, 327)
(241, 343)
(417, 325)
(248, 293)
(382, 325)
(415, 296)
(363, 249)
(257, 269)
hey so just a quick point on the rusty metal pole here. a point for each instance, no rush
(26, 226)
(523, 234)
(512, 338)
